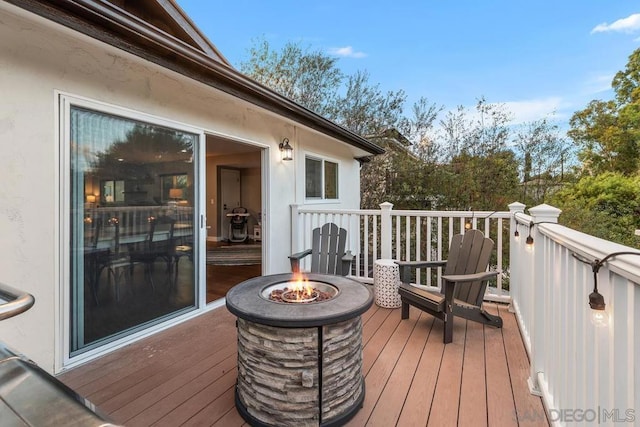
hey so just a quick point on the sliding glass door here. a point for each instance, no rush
(132, 233)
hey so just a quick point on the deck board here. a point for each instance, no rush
(185, 375)
(473, 399)
(529, 409)
(501, 407)
(387, 410)
(444, 408)
(417, 405)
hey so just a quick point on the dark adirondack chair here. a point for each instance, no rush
(464, 282)
(159, 244)
(327, 254)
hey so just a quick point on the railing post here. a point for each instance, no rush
(539, 214)
(295, 228)
(515, 263)
(385, 230)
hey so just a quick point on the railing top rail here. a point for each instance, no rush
(591, 248)
(339, 211)
(522, 218)
(140, 208)
(479, 215)
(17, 301)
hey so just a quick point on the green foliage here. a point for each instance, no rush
(364, 109)
(306, 76)
(605, 202)
(608, 132)
(543, 155)
(606, 206)
(469, 165)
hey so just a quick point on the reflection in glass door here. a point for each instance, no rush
(131, 225)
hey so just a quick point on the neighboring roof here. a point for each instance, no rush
(392, 139)
(159, 31)
(393, 133)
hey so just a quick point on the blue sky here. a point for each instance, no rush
(537, 57)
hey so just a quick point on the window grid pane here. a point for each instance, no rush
(330, 180)
(313, 178)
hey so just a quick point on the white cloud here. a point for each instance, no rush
(552, 108)
(630, 24)
(347, 52)
(536, 109)
(598, 84)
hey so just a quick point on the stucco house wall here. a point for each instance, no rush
(39, 60)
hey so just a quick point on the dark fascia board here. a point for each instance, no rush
(110, 24)
(179, 15)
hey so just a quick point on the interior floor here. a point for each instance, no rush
(221, 278)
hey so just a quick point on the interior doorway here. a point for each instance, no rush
(230, 199)
(234, 175)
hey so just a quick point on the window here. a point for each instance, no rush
(321, 179)
(174, 187)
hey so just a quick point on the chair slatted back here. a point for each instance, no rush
(161, 230)
(92, 230)
(469, 253)
(329, 243)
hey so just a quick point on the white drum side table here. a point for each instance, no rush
(386, 280)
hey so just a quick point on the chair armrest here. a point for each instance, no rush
(300, 255)
(406, 266)
(461, 278)
(347, 259)
(295, 259)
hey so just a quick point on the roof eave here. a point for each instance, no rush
(106, 22)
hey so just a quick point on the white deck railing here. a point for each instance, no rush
(587, 375)
(135, 219)
(406, 235)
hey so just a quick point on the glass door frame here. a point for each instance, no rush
(63, 307)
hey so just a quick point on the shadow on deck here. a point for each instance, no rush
(186, 375)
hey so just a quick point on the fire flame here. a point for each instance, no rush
(301, 287)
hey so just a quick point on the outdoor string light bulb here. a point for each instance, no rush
(516, 234)
(529, 240)
(599, 316)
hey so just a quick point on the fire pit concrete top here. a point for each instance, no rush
(246, 301)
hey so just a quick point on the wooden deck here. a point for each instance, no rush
(186, 375)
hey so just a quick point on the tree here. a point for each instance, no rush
(543, 153)
(468, 165)
(605, 206)
(364, 109)
(482, 172)
(608, 132)
(313, 79)
(305, 76)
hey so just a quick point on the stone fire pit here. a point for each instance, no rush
(299, 364)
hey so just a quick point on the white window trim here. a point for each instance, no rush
(322, 158)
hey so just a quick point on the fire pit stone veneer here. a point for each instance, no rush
(299, 364)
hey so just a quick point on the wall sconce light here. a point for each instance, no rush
(286, 151)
